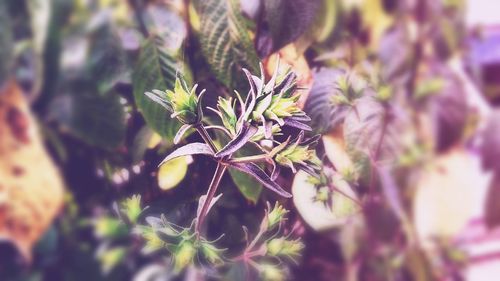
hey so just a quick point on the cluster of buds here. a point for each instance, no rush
(183, 243)
(299, 154)
(274, 216)
(268, 106)
(271, 272)
(181, 102)
(284, 247)
(131, 208)
(274, 102)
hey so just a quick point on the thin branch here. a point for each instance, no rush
(219, 173)
(206, 137)
(251, 159)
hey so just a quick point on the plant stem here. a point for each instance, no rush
(253, 158)
(206, 137)
(219, 173)
(385, 120)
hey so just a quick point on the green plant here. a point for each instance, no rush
(260, 116)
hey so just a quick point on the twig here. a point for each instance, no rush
(206, 137)
(219, 173)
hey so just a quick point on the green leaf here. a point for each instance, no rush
(225, 41)
(156, 69)
(40, 12)
(6, 42)
(172, 172)
(98, 120)
(107, 62)
(247, 185)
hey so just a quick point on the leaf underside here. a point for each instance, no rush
(189, 149)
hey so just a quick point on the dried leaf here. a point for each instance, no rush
(31, 188)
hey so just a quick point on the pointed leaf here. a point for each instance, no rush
(255, 171)
(159, 99)
(181, 132)
(292, 122)
(245, 134)
(189, 149)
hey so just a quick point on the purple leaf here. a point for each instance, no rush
(199, 108)
(256, 172)
(250, 102)
(247, 131)
(391, 192)
(287, 82)
(181, 132)
(189, 149)
(492, 208)
(283, 22)
(292, 122)
(490, 148)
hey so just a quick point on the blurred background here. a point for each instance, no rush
(404, 94)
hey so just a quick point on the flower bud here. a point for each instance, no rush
(131, 207)
(276, 215)
(181, 102)
(152, 241)
(211, 253)
(184, 102)
(227, 114)
(271, 272)
(298, 155)
(283, 247)
(183, 255)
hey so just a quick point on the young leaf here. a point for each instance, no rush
(189, 149)
(256, 172)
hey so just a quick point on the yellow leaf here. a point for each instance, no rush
(154, 140)
(172, 173)
(31, 188)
